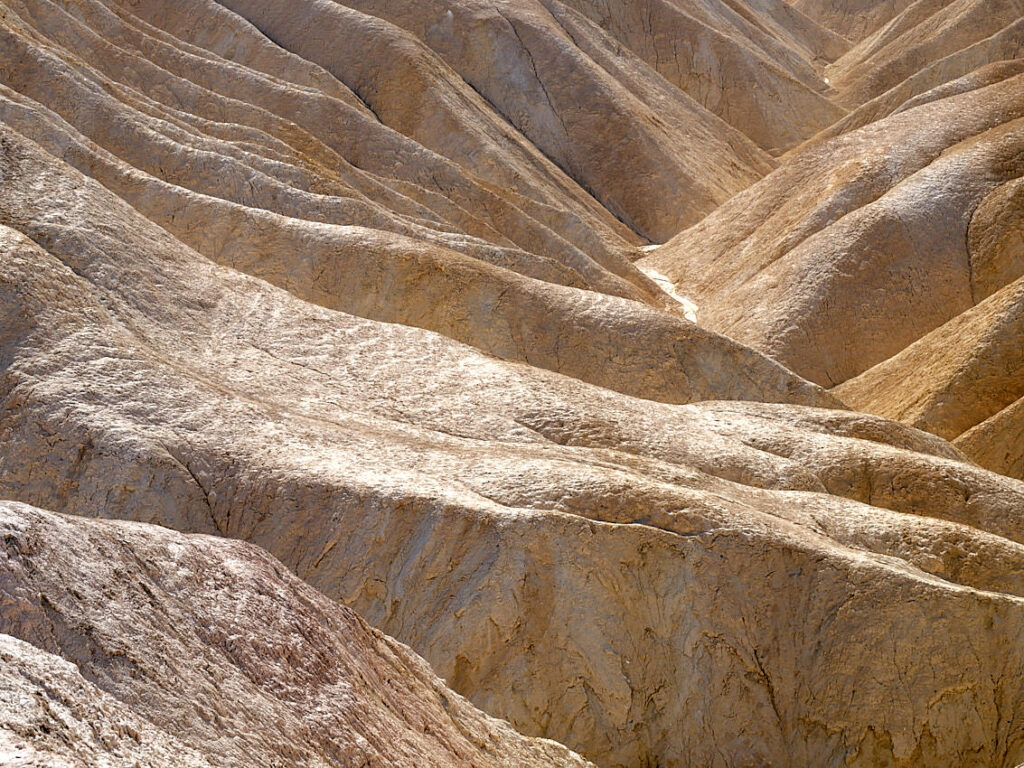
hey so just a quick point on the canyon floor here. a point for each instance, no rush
(619, 383)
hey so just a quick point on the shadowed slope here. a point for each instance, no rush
(858, 246)
(493, 120)
(852, 19)
(964, 376)
(651, 154)
(984, 63)
(460, 408)
(271, 211)
(754, 65)
(196, 651)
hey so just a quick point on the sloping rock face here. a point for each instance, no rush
(706, 584)
(500, 129)
(537, 62)
(362, 284)
(52, 717)
(247, 184)
(962, 381)
(924, 33)
(984, 63)
(861, 244)
(756, 68)
(893, 225)
(852, 19)
(230, 660)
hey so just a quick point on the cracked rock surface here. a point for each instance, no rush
(566, 556)
(230, 661)
(349, 301)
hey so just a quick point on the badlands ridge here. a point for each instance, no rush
(328, 312)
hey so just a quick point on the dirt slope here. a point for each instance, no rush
(368, 285)
(858, 246)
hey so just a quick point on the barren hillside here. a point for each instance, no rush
(652, 368)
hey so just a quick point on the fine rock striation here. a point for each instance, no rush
(365, 285)
(266, 211)
(564, 555)
(859, 245)
(757, 67)
(230, 661)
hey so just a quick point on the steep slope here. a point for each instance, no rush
(51, 717)
(926, 32)
(229, 661)
(491, 114)
(996, 442)
(258, 195)
(852, 19)
(754, 65)
(457, 406)
(858, 246)
(650, 153)
(957, 378)
(981, 65)
(205, 124)
(704, 584)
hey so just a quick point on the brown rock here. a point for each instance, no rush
(996, 442)
(459, 407)
(852, 19)
(52, 717)
(296, 226)
(198, 651)
(536, 83)
(756, 67)
(980, 65)
(927, 31)
(964, 375)
(995, 239)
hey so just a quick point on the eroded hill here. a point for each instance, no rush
(369, 285)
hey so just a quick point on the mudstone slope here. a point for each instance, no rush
(403, 294)
(231, 660)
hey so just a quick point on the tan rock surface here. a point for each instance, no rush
(956, 378)
(753, 67)
(217, 126)
(648, 152)
(52, 717)
(296, 226)
(858, 246)
(927, 31)
(995, 239)
(654, 181)
(200, 651)
(852, 19)
(996, 442)
(976, 66)
(686, 585)
(458, 407)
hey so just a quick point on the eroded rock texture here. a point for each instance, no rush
(365, 284)
(125, 644)
(567, 556)
(863, 243)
